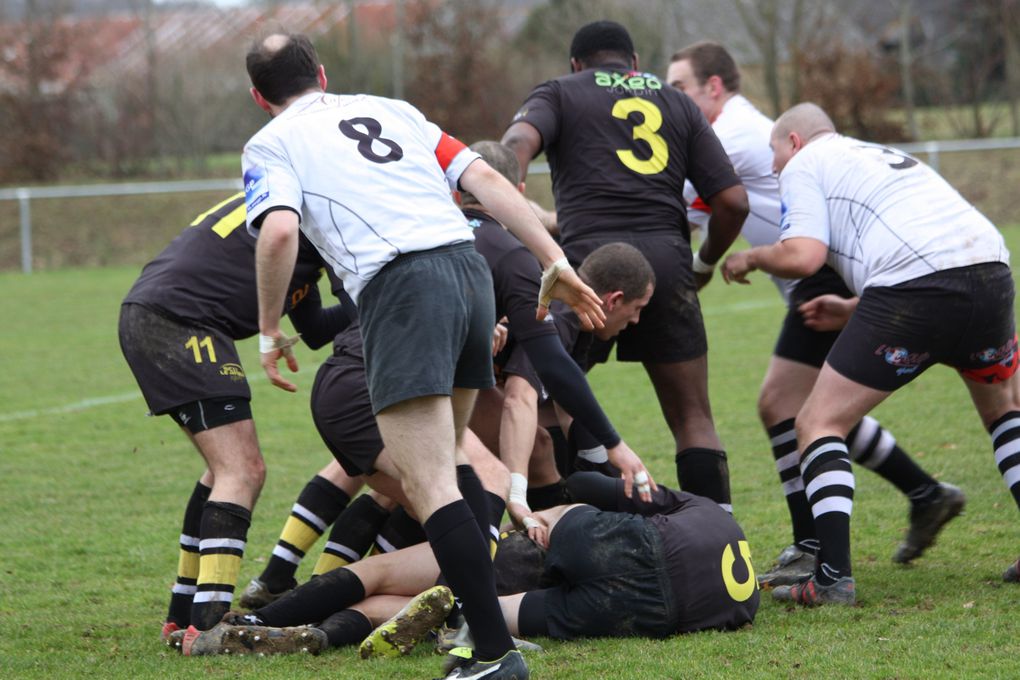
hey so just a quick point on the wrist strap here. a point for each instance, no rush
(699, 266)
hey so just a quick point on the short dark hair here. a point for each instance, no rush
(282, 66)
(601, 41)
(618, 267)
(710, 59)
(501, 158)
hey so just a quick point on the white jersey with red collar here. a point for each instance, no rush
(369, 177)
(744, 132)
(886, 217)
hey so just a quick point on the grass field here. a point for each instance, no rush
(92, 491)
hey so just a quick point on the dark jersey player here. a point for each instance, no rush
(177, 330)
(620, 146)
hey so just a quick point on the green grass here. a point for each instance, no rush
(92, 491)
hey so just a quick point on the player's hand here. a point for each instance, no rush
(633, 471)
(499, 334)
(827, 312)
(538, 530)
(561, 282)
(273, 346)
(736, 267)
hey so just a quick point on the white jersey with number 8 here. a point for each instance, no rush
(369, 177)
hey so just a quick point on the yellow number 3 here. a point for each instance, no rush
(652, 121)
(739, 591)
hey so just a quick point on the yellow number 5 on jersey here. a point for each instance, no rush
(651, 122)
(738, 590)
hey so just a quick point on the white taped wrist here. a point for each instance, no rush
(268, 343)
(699, 266)
(530, 523)
(549, 277)
(519, 489)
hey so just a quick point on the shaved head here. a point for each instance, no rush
(807, 120)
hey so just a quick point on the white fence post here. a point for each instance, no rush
(25, 211)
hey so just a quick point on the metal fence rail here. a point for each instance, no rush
(24, 195)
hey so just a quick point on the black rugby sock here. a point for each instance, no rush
(551, 495)
(783, 438)
(352, 534)
(705, 472)
(399, 531)
(223, 534)
(1006, 441)
(347, 627)
(183, 590)
(315, 600)
(318, 506)
(460, 550)
(826, 467)
(475, 496)
(561, 450)
(874, 447)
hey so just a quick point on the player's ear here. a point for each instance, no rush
(321, 77)
(634, 61)
(261, 101)
(610, 300)
(576, 66)
(520, 187)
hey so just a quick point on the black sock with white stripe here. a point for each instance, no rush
(352, 534)
(783, 438)
(1006, 441)
(317, 507)
(829, 483)
(398, 532)
(221, 547)
(183, 590)
(874, 447)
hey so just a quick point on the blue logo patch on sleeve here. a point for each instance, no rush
(256, 188)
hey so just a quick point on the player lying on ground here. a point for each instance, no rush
(177, 330)
(934, 283)
(706, 73)
(616, 567)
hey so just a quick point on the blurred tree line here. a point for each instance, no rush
(68, 107)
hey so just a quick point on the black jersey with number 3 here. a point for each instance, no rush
(619, 145)
(206, 276)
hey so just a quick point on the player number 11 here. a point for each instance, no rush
(196, 345)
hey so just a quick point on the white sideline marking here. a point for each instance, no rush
(85, 404)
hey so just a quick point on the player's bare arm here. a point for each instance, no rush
(729, 208)
(794, 258)
(275, 254)
(827, 312)
(508, 207)
(525, 141)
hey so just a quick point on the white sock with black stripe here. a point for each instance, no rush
(829, 483)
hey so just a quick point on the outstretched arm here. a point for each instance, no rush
(275, 254)
(508, 207)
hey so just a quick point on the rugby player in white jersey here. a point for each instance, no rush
(706, 73)
(368, 181)
(934, 285)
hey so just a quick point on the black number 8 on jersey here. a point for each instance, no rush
(365, 139)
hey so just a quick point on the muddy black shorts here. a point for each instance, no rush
(176, 362)
(342, 410)
(613, 576)
(427, 319)
(796, 341)
(959, 317)
(671, 328)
